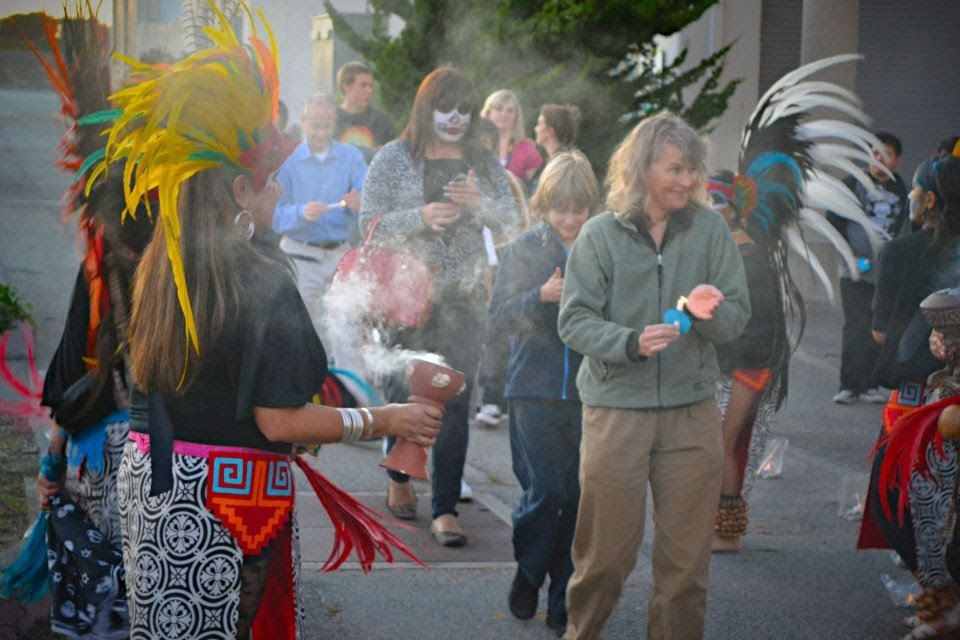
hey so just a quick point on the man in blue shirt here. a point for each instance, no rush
(317, 213)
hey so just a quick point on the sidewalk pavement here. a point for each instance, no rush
(798, 576)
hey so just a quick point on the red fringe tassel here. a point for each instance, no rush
(906, 452)
(356, 526)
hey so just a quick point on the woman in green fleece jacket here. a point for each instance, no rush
(649, 413)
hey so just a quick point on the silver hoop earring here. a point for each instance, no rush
(243, 222)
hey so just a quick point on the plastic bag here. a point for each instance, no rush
(772, 464)
(903, 590)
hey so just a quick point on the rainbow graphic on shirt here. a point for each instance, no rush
(359, 136)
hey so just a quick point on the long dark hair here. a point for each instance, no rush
(445, 86)
(941, 177)
(948, 186)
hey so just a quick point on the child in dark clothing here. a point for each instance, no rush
(544, 406)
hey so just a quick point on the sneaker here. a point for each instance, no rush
(845, 397)
(874, 396)
(489, 414)
(523, 597)
(466, 493)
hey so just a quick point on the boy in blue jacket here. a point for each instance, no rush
(541, 391)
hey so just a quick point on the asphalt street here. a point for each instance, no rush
(798, 576)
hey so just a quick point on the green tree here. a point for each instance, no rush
(600, 56)
(14, 27)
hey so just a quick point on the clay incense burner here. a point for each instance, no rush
(430, 383)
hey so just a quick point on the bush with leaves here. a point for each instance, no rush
(12, 309)
(596, 55)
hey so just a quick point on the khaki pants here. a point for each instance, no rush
(679, 452)
(315, 274)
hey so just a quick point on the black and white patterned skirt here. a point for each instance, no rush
(766, 413)
(186, 574)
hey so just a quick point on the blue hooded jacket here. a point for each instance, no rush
(541, 365)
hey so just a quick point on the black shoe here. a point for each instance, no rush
(557, 621)
(523, 597)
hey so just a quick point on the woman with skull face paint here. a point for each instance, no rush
(431, 192)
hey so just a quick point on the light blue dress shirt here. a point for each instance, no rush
(306, 178)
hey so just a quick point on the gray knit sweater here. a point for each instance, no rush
(394, 187)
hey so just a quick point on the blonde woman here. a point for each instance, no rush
(517, 153)
(649, 414)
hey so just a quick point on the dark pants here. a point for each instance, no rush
(859, 352)
(454, 331)
(545, 445)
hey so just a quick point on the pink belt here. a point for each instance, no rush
(196, 449)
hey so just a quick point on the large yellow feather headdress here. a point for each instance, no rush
(213, 109)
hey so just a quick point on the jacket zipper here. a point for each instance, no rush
(659, 315)
(566, 349)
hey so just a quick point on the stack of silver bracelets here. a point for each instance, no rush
(355, 426)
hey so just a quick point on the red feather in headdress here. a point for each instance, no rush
(906, 452)
(80, 76)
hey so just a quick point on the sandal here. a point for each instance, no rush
(406, 511)
(447, 538)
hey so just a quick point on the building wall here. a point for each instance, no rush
(909, 81)
(727, 21)
(292, 28)
(330, 52)
(781, 25)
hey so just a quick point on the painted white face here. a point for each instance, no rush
(451, 126)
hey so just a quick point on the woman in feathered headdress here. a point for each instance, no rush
(225, 361)
(86, 386)
(781, 178)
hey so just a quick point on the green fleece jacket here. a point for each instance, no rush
(617, 282)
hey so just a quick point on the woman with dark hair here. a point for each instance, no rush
(910, 268)
(87, 390)
(753, 381)
(557, 128)
(224, 359)
(431, 192)
(912, 493)
(86, 386)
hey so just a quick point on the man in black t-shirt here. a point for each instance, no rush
(365, 127)
(888, 213)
